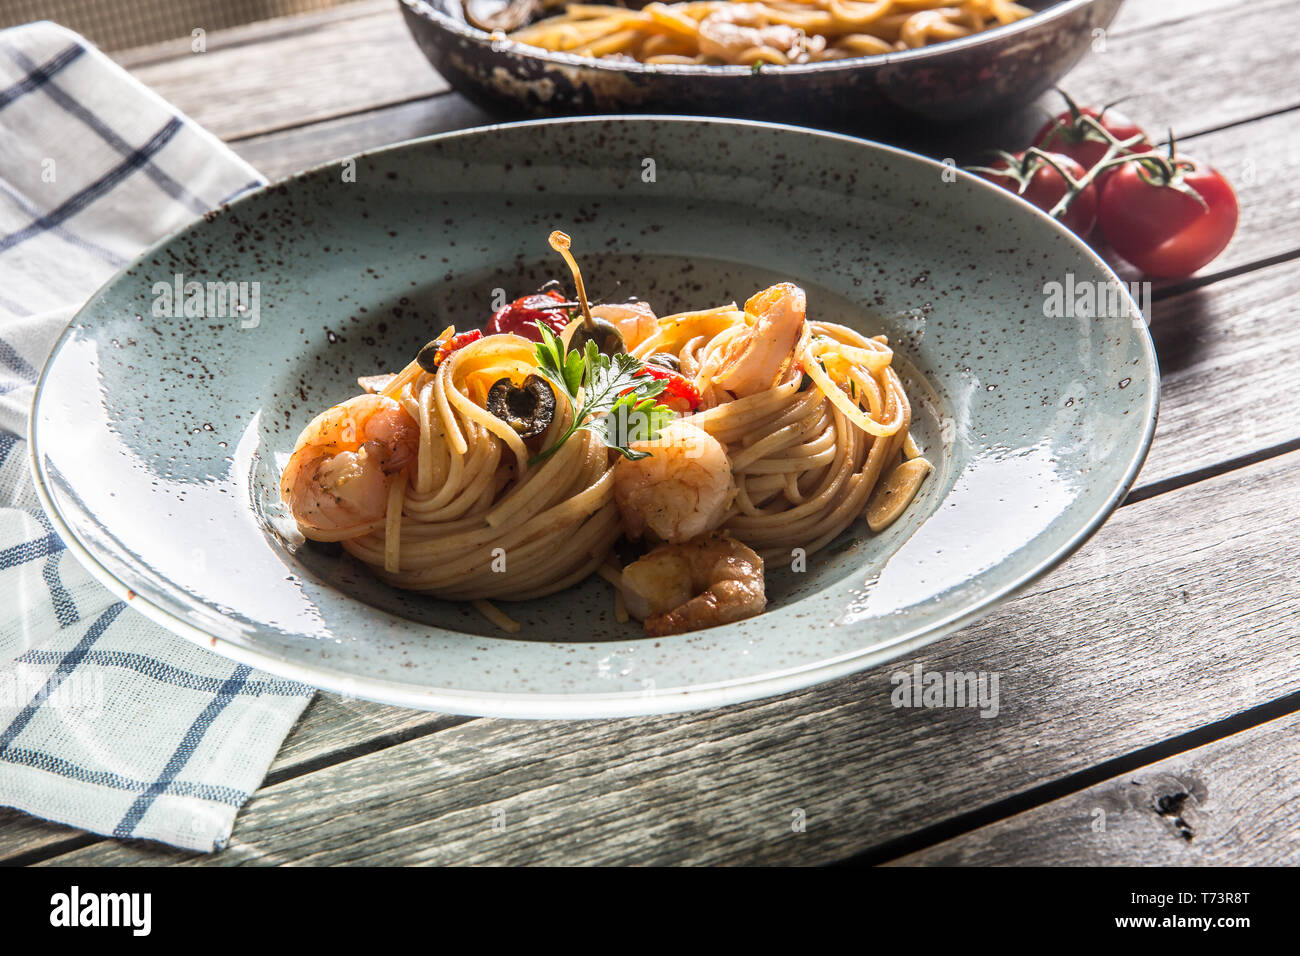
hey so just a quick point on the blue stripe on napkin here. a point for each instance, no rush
(38, 76)
(81, 673)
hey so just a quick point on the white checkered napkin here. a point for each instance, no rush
(107, 721)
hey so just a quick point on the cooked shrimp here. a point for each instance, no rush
(740, 32)
(344, 462)
(635, 321)
(682, 490)
(757, 358)
(683, 587)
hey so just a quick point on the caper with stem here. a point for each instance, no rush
(608, 339)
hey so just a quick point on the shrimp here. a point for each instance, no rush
(684, 587)
(343, 464)
(741, 30)
(682, 490)
(757, 358)
(635, 321)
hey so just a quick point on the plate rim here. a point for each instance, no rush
(525, 705)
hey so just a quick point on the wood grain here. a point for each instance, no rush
(1230, 802)
(1136, 16)
(261, 31)
(336, 728)
(337, 67)
(1197, 73)
(23, 836)
(277, 155)
(1161, 622)
(1226, 355)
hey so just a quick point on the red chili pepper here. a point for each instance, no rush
(522, 315)
(679, 393)
(458, 341)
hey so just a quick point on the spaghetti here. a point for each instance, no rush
(777, 32)
(440, 485)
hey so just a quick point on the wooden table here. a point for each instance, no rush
(1150, 687)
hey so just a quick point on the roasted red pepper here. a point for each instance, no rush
(679, 393)
(522, 315)
(458, 342)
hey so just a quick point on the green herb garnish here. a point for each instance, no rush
(605, 393)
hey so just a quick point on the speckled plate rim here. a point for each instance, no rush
(623, 703)
(464, 30)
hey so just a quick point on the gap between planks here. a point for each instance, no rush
(1056, 790)
(1201, 806)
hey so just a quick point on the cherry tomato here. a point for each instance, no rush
(522, 315)
(1046, 187)
(1157, 226)
(1068, 134)
(679, 393)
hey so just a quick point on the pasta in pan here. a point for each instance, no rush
(508, 465)
(777, 32)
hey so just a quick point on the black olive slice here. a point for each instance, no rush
(428, 357)
(527, 408)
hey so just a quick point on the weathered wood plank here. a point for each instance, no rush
(1228, 803)
(259, 31)
(1173, 75)
(277, 155)
(1121, 648)
(1226, 354)
(21, 835)
(335, 727)
(340, 66)
(1138, 15)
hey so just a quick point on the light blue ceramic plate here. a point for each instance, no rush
(157, 440)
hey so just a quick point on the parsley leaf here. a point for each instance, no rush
(565, 371)
(606, 395)
(631, 420)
